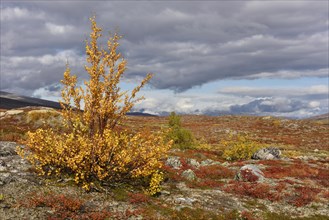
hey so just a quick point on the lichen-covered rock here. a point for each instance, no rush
(250, 173)
(7, 148)
(268, 153)
(174, 162)
(12, 167)
(189, 175)
(209, 162)
(193, 162)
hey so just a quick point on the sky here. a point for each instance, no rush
(208, 57)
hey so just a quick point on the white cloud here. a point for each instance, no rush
(276, 91)
(314, 104)
(58, 29)
(20, 13)
(185, 44)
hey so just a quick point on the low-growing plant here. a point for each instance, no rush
(206, 184)
(90, 148)
(240, 147)
(253, 189)
(248, 176)
(181, 137)
(214, 172)
(70, 207)
(246, 215)
(138, 198)
(304, 195)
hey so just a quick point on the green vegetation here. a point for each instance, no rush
(182, 138)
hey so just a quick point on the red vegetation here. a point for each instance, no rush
(248, 176)
(325, 194)
(185, 165)
(208, 183)
(299, 170)
(68, 207)
(255, 190)
(272, 162)
(304, 196)
(138, 198)
(237, 164)
(245, 215)
(291, 182)
(172, 174)
(214, 172)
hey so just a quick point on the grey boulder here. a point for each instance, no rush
(250, 173)
(268, 153)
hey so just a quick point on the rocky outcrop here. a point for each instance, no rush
(193, 162)
(174, 162)
(250, 173)
(12, 167)
(189, 175)
(269, 153)
(209, 162)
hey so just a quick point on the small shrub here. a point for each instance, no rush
(181, 137)
(90, 148)
(240, 148)
(156, 179)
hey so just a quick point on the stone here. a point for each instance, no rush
(186, 201)
(193, 163)
(189, 175)
(174, 162)
(268, 153)
(250, 173)
(12, 167)
(165, 193)
(7, 148)
(209, 162)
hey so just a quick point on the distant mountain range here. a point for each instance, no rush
(10, 101)
(322, 119)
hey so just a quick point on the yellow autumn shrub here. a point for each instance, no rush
(240, 147)
(113, 157)
(89, 147)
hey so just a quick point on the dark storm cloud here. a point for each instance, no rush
(186, 44)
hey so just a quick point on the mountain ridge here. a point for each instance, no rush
(12, 101)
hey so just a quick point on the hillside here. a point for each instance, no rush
(12, 101)
(321, 119)
(200, 182)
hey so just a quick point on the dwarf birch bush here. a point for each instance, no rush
(240, 147)
(90, 148)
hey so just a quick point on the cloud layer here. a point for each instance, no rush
(186, 44)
